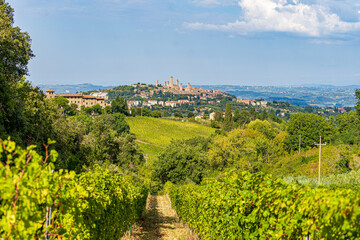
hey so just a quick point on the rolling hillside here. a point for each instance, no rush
(153, 134)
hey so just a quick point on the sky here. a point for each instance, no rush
(214, 42)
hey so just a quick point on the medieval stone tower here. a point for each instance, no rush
(171, 81)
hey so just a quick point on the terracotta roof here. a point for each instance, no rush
(69, 94)
(89, 97)
(79, 95)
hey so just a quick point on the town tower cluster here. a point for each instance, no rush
(178, 88)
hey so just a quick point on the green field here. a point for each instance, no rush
(155, 133)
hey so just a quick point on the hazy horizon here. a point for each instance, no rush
(301, 85)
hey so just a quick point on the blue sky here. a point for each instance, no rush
(243, 42)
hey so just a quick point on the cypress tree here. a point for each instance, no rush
(228, 121)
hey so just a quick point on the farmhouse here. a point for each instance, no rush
(78, 98)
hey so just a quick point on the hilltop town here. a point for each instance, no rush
(174, 99)
(169, 95)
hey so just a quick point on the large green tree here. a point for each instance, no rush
(181, 161)
(246, 149)
(109, 141)
(119, 105)
(348, 128)
(15, 53)
(310, 126)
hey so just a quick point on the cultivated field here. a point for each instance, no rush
(153, 134)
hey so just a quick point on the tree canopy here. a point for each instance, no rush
(119, 105)
(181, 161)
(15, 53)
(310, 126)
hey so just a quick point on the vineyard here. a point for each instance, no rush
(145, 161)
(37, 201)
(256, 206)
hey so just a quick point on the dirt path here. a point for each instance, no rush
(160, 222)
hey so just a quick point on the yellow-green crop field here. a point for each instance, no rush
(153, 134)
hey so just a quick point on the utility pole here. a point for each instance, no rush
(319, 181)
(299, 143)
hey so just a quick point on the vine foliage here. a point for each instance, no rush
(95, 204)
(256, 206)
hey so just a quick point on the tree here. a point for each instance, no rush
(218, 116)
(109, 142)
(265, 127)
(88, 110)
(97, 109)
(156, 114)
(348, 127)
(234, 149)
(178, 114)
(73, 109)
(310, 126)
(15, 53)
(244, 117)
(69, 133)
(245, 149)
(181, 161)
(236, 115)
(39, 113)
(119, 105)
(263, 115)
(253, 113)
(61, 101)
(63, 104)
(190, 115)
(120, 125)
(357, 96)
(107, 109)
(228, 122)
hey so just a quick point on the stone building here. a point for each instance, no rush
(78, 98)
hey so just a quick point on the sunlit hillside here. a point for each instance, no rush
(153, 133)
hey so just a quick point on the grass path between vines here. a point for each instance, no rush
(159, 222)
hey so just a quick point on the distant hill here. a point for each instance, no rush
(307, 95)
(330, 86)
(72, 88)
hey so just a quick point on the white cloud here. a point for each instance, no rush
(290, 16)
